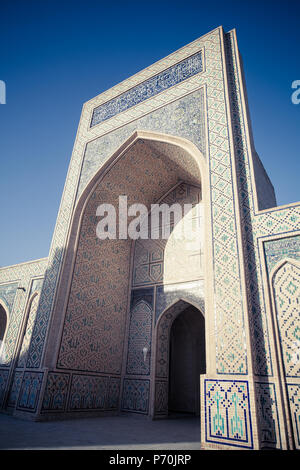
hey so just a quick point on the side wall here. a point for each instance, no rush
(17, 285)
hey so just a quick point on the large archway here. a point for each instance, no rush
(95, 335)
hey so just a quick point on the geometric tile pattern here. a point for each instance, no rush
(88, 393)
(192, 292)
(29, 393)
(7, 294)
(268, 415)
(3, 384)
(151, 87)
(113, 393)
(231, 356)
(286, 286)
(67, 393)
(56, 392)
(185, 117)
(277, 250)
(161, 397)
(15, 388)
(294, 401)
(33, 302)
(227, 413)
(135, 395)
(139, 337)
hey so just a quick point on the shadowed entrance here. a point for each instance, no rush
(187, 361)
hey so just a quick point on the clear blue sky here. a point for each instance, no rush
(55, 55)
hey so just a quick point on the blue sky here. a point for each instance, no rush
(55, 55)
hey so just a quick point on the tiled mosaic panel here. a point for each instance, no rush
(15, 389)
(231, 354)
(56, 392)
(88, 393)
(140, 334)
(3, 384)
(135, 395)
(257, 318)
(113, 393)
(294, 402)
(30, 390)
(34, 303)
(227, 413)
(286, 287)
(277, 250)
(23, 273)
(268, 415)
(151, 87)
(161, 397)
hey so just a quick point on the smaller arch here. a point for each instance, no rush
(4, 322)
(140, 323)
(161, 359)
(280, 264)
(199, 306)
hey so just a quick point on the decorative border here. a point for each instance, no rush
(268, 414)
(240, 422)
(149, 88)
(135, 397)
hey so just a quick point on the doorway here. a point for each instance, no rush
(186, 362)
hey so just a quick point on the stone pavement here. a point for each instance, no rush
(127, 431)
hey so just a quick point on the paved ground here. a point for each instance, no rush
(128, 431)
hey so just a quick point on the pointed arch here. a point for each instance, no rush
(30, 315)
(185, 154)
(285, 283)
(4, 320)
(161, 360)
